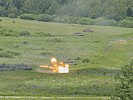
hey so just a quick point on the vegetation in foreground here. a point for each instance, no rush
(94, 57)
(124, 88)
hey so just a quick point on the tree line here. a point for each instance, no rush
(110, 9)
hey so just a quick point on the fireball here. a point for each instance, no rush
(56, 67)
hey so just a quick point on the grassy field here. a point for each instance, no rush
(96, 57)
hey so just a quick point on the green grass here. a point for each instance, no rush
(27, 83)
(55, 98)
(97, 56)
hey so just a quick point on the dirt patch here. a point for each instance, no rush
(113, 43)
(130, 39)
(118, 42)
(14, 67)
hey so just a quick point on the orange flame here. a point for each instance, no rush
(56, 67)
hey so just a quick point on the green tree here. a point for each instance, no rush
(12, 10)
(124, 89)
(129, 12)
(18, 3)
(2, 11)
(110, 9)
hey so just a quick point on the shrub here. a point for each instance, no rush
(13, 21)
(74, 20)
(0, 20)
(86, 60)
(127, 22)
(63, 19)
(85, 21)
(44, 17)
(78, 58)
(24, 33)
(28, 16)
(6, 32)
(57, 19)
(1, 49)
(12, 15)
(55, 40)
(41, 34)
(105, 22)
(66, 19)
(13, 53)
(124, 88)
(5, 55)
(8, 54)
(45, 53)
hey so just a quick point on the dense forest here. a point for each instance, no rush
(87, 12)
(111, 9)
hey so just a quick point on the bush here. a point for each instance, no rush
(86, 60)
(12, 15)
(55, 40)
(105, 22)
(6, 32)
(13, 21)
(85, 21)
(45, 53)
(8, 54)
(28, 16)
(124, 88)
(0, 20)
(127, 22)
(1, 49)
(24, 33)
(78, 58)
(62, 19)
(5, 55)
(66, 19)
(44, 17)
(41, 34)
(74, 20)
